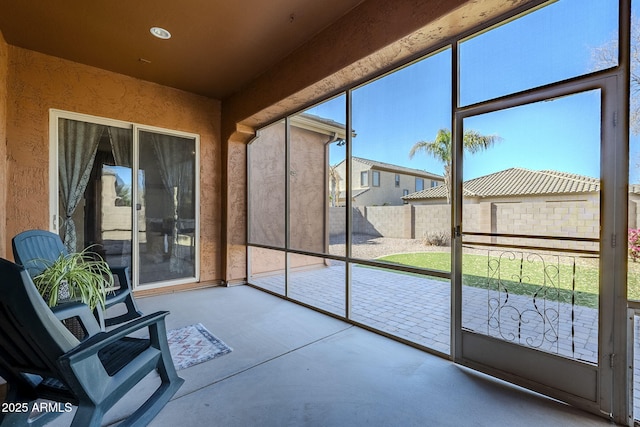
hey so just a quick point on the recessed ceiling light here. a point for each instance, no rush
(160, 33)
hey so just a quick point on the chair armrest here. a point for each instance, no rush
(81, 311)
(123, 278)
(94, 344)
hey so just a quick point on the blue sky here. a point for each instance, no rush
(551, 44)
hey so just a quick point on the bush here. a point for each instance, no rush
(634, 244)
(436, 238)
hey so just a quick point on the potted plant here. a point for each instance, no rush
(80, 276)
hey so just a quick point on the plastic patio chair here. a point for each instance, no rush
(41, 359)
(33, 248)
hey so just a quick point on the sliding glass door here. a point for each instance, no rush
(129, 192)
(167, 206)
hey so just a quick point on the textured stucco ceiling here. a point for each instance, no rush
(217, 46)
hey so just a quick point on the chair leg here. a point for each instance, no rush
(170, 381)
(87, 415)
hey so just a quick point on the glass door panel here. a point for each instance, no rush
(94, 172)
(167, 207)
(115, 227)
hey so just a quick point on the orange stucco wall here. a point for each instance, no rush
(4, 64)
(37, 83)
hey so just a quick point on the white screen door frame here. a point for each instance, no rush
(589, 386)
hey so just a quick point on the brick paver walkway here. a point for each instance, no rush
(418, 309)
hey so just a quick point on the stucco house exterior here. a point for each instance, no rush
(377, 183)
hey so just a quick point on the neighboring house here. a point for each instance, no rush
(376, 183)
(308, 204)
(517, 185)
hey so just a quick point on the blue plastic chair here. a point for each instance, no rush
(33, 249)
(41, 359)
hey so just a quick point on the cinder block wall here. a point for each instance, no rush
(562, 218)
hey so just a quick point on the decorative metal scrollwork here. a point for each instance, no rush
(530, 314)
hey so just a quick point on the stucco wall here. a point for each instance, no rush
(308, 186)
(37, 83)
(308, 201)
(4, 64)
(267, 182)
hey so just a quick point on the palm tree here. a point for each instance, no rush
(440, 149)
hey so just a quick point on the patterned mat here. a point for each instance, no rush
(194, 344)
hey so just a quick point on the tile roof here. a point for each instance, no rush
(517, 182)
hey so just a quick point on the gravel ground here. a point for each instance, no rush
(371, 247)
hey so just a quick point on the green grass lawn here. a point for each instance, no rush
(533, 276)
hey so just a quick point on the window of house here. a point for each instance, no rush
(375, 176)
(364, 179)
(434, 184)
(397, 180)
(419, 184)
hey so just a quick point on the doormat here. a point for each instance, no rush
(194, 344)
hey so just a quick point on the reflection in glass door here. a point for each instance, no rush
(167, 207)
(94, 183)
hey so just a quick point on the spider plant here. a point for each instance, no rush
(85, 273)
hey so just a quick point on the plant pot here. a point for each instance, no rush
(64, 294)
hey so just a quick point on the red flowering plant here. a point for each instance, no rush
(634, 244)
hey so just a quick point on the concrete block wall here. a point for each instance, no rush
(570, 219)
(431, 219)
(562, 218)
(390, 221)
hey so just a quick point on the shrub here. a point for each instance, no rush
(436, 238)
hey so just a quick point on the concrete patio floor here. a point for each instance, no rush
(292, 366)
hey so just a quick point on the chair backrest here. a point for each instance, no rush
(31, 337)
(35, 249)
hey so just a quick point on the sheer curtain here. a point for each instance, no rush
(78, 143)
(177, 177)
(121, 143)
